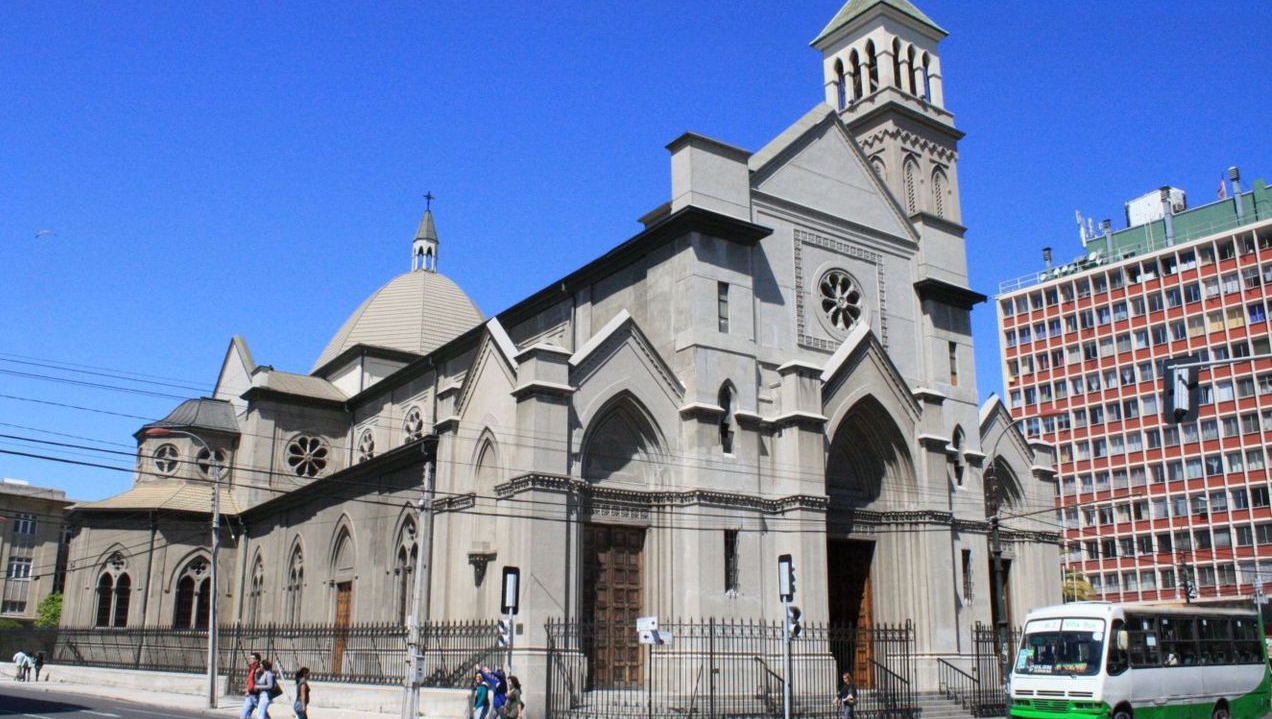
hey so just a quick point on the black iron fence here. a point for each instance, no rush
(981, 688)
(360, 653)
(726, 668)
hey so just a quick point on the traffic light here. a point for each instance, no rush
(504, 627)
(793, 626)
(786, 578)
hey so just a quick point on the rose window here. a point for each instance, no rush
(414, 424)
(840, 299)
(307, 456)
(165, 458)
(205, 461)
(366, 446)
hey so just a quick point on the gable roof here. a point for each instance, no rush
(856, 8)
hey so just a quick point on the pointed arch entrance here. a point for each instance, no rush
(868, 467)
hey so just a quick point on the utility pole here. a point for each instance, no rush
(420, 599)
(996, 551)
(786, 591)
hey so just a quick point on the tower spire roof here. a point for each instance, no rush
(424, 246)
(856, 8)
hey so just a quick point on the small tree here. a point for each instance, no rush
(1076, 588)
(49, 614)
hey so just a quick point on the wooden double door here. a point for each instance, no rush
(613, 574)
(851, 613)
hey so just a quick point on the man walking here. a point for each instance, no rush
(249, 697)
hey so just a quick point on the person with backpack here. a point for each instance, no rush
(249, 696)
(267, 689)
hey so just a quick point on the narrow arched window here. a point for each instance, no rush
(909, 69)
(854, 66)
(194, 591)
(841, 91)
(911, 192)
(123, 593)
(726, 419)
(404, 571)
(255, 587)
(295, 583)
(938, 193)
(105, 598)
(896, 64)
(957, 444)
(927, 84)
(872, 65)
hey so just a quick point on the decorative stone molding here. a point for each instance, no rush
(944, 154)
(639, 502)
(455, 503)
(805, 237)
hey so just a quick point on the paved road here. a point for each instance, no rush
(17, 700)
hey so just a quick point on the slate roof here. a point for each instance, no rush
(201, 413)
(298, 384)
(416, 312)
(173, 495)
(856, 8)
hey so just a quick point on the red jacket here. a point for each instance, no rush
(251, 678)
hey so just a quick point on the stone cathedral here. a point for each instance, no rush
(779, 361)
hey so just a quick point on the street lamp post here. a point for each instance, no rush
(216, 545)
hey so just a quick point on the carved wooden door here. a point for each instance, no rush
(612, 592)
(344, 605)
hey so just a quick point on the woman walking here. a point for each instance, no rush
(481, 696)
(266, 689)
(513, 704)
(302, 693)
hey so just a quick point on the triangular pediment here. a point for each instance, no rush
(235, 377)
(620, 351)
(816, 163)
(493, 358)
(862, 366)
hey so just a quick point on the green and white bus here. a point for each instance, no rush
(1140, 661)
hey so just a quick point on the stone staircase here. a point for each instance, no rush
(934, 705)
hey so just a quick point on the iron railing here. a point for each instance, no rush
(715, 668)
(360, 653)
(990, 697)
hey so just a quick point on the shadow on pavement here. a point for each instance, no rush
(17, 704)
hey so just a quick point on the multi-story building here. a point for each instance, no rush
(1150, 507)
(32, 547)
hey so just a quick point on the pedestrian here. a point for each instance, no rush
(498, 688)
(39, 664)
(266, 689)
(480, 696)
(19, 665)
(249, 696)
(513, 706)
(301, 706)
(847, 696)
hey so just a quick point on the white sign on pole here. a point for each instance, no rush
(655, 637)
(646, 624)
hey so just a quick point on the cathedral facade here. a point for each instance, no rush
(778, 362)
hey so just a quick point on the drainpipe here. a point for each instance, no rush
(1235, 175)
(1168, 214)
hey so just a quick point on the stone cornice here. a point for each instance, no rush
(455, 503)
(646, 500)
(538, 387)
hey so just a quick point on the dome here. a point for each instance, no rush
(416, 312)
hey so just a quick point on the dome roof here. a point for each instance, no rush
(416, 312)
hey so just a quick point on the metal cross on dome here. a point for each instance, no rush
(428, 199)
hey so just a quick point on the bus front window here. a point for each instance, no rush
(1062, 646)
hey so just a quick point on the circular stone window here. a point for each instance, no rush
(165, 458)
(840, 299)
(414, 424)
(204, 461)
(366, 446)
(307, 456)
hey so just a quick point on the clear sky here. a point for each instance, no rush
(172, 174)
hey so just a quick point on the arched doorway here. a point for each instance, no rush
(868, 467)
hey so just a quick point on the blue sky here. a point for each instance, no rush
(257, 168)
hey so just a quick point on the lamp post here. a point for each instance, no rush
(216, 545)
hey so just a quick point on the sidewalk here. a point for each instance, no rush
(64, 680)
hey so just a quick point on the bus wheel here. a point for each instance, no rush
(1220, 712)
(1124, 712)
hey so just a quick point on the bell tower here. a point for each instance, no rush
(882, 71)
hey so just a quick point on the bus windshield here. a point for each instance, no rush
(1070, 646)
